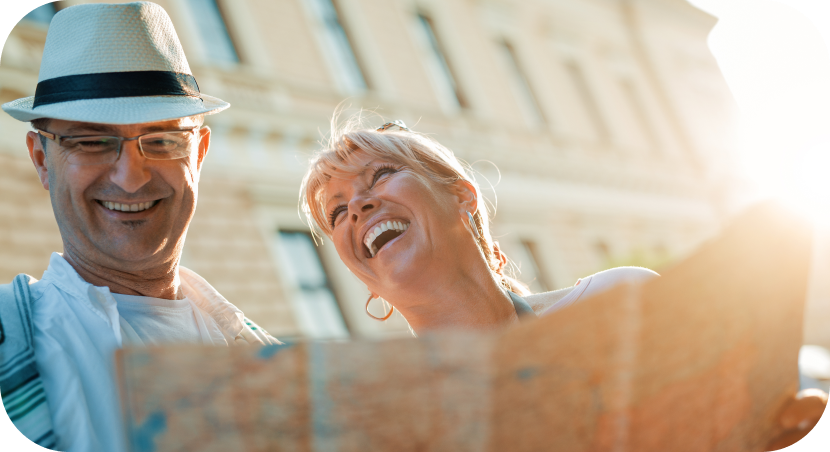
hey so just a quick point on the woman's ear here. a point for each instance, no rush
(465, 193)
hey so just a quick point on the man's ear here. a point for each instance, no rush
(465, 193)
(204, 144)
(38, 156)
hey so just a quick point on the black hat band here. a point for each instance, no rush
(109, 85)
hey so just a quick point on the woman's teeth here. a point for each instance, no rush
(396, 226)
(128, 207)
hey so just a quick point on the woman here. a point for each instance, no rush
(406, 218)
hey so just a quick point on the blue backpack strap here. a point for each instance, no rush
(522, 308)
(20, 383)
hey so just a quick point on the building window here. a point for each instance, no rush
(217, 44)
(438, 69)
(337, 47)
(317, 311)
(580, 83)
(42, 14)
(541, 274)
(633, 98)
(528, 101)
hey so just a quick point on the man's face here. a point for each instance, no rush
(86, 198)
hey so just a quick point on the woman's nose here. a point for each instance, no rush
(362, 205)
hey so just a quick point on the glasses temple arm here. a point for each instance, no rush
(48, 135)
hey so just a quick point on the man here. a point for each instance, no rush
(119, 144)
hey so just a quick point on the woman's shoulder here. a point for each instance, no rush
(547, 302)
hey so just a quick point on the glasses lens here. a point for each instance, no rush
(168, 145)
(91, 150)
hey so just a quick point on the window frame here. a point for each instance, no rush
(331, 54)
(582, 84)
(634, 98)
(439, 50)
(359, 61)
(520, 74)
(233, 39)
(349, 330)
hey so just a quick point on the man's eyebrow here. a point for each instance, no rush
(108, 129)
(158, 128)
(81, 128)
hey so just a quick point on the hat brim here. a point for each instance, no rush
(121, 110)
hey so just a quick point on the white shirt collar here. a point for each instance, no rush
(229, 318)
(64, 277)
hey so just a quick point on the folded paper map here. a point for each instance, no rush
(700, 359)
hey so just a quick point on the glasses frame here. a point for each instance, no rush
(58, 139)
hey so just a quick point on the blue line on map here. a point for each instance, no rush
(527, 373)
(144, 435)
(269, 351)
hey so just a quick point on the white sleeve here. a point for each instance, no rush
(600, 282)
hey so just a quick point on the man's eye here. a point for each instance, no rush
(91, 145)
(160, 142)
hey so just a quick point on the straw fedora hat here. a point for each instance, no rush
(114, 64)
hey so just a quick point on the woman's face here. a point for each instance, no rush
(394, 229)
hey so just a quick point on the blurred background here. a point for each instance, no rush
(605, 127)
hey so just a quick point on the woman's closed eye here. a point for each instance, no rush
(381, 171)
(336, 213)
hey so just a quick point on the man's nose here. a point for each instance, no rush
(130, 171)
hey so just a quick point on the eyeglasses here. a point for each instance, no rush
(100, 149)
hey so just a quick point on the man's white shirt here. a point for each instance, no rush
(78, 327)
(156, 321)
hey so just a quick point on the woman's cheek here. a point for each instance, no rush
(341, 244)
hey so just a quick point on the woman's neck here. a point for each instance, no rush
(472, 300)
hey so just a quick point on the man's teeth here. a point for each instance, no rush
(371, 236)
(128, 207)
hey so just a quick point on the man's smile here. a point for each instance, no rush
(127, 207)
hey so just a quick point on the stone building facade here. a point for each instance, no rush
(608, 121)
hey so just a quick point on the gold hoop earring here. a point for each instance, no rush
(473, 225)
(371, 297)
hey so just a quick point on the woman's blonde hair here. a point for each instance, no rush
(424, 156)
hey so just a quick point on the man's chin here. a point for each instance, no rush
(133, 224)
(128, 249)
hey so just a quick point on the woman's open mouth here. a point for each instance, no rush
(383, 234)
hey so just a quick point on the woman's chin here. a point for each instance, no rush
(406, 265)
(400, 271)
